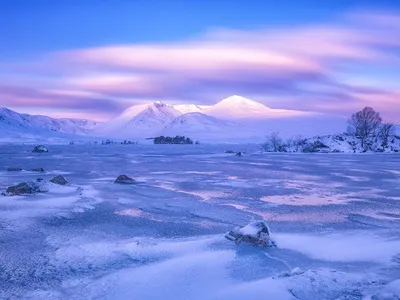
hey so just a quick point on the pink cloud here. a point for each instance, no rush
(295, 67)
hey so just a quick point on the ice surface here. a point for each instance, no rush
(335, 220)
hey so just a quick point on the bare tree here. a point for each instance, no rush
(364, 124)
(386, 131)
(274, 142)
(298, 142)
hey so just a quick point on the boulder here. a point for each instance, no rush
(26, 188)
(40, 170)
(59, 180)
(123, 179)
(40, 149)
(14, 169)
(256, 233)
(240, 154)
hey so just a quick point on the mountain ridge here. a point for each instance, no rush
(233, 117)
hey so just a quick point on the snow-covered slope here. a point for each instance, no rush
(338, 143)
(140, 121)
(233, 118)
(14, 120)
(200, 126)
(237, 107)
(189, 108)
(24, 127)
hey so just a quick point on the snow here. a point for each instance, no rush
(249, 229)
(163, 238)
(234, 119)
(24, 128)
(237, 107)
(349, 247)
(189, 108)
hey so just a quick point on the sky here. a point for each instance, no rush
(93, 59)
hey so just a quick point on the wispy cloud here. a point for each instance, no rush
(296, 68)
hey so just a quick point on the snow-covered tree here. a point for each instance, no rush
(386, 131)
(364, 124)
(274, 142)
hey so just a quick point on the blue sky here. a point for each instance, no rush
(32, 27)
(44, 43)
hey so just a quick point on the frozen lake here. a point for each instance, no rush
(334, 217)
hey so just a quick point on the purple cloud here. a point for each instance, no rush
(294, 68)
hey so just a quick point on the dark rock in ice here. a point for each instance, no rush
(229, 151)
(40, 149)
(256, 233)
(123, 179)
(14, 169)
(240, 154)
(39, 170)
(59, 180)
(24, 188)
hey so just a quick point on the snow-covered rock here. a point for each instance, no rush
(40, 149)
(256, 233)
(26, 188)
(60, 180)
(124, 179)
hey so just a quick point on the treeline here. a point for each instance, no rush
(173, 140)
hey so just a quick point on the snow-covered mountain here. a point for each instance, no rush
(237, 107)
(139, 121)
(12, 120)
(233, 119)
(24, 127)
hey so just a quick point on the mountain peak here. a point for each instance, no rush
(237, 98)
(245, 103)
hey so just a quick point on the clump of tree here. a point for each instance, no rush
(386, 132)
(297, 143)
(274, 143)
(368, 126)
(172, 140)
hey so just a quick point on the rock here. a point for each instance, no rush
(40, 149)
(23, 188)
(256, 233)
(240, 154)
(230, 151)
(40, 170)
(123, 179)
(13, 169)
(59, 180)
